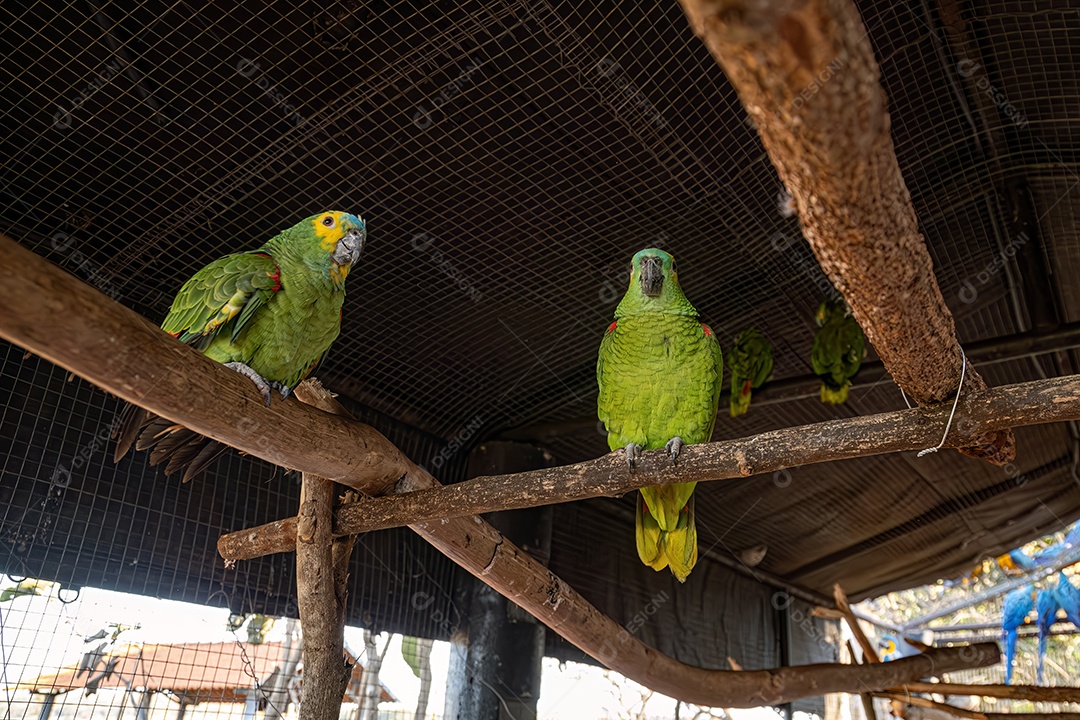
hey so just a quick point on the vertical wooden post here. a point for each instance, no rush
(322, 582)
(496, 663)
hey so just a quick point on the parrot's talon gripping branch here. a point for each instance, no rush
(282, 388)
(674, 447)
(633, 452)
(260, 382)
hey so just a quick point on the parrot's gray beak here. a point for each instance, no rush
(652, 275)
(348, 248)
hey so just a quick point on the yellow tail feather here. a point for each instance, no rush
(649, 538)
(834, 397)
(676, 548)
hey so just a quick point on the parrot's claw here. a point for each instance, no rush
(633, 452)
(260, 382)
(282, 388)
(674, 447)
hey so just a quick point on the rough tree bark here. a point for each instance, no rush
(69, 323)
(322, 581)
(372, 692)
(806, 74)
(1037, 402)
(1034, 693)
(423, 658)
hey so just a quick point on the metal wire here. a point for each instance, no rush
(509, 158)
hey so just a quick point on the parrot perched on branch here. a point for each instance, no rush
(1046, 608)
(751, 362)
(660, 371)
(838, 351)
(270, 314)
(1014, 611)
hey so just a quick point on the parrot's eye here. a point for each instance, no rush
(328, 221)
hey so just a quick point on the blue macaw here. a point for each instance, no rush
(1068, 599)
(1046, 607)
(1015, 608)
(1071, 541)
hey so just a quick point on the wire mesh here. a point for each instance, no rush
(508, 157)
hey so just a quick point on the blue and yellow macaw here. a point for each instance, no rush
(1016, 562)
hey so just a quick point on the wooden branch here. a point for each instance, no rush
(932, 704)
(1034, 693)
(1030, 403)
(322, 585)
(864, 697)
(807, 76)
(69, 323)
(842, 604)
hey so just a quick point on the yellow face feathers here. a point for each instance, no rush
(328, 228)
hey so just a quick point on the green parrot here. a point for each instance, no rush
(660, 371)
(751, 362)
(839, 348)
(270, 314)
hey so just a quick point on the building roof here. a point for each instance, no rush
(198, 672)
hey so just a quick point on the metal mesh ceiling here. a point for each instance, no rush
(509, 158)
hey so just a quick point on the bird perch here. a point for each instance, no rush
(1029, 403)
(807, 76)
(77, 327)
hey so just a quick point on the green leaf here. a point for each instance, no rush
(409, 652)
(23, 588)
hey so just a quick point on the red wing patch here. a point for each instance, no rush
(707, 329)
(611, 327)
(276, 277)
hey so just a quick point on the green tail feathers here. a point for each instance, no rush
(740, 398)
(834, 397)
(675, 548)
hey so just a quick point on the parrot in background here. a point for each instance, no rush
(894, 648)
(751, 362)
(838, 351)
(270, 314)
(1014, 611)
(1016, 562)
(660, 371)
(1068, 599)
(1046, 608)
(1049, 554)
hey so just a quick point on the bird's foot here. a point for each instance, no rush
(259, 380)
(633, 452)
(282, 388)
(674, 447)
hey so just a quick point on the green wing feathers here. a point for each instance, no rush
(751, 363)
(231, 289)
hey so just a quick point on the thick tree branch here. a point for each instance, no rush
(806, 74)
(80, 329)
(1030, 403)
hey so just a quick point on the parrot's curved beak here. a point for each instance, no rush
(652, 275)
(348, 248)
